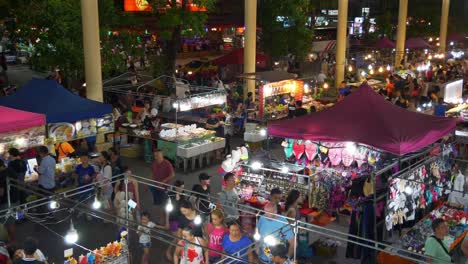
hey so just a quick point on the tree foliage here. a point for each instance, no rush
(285, 27)
(52, 30)
(174, 20)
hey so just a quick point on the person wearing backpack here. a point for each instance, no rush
(19, 167)
(436, 248)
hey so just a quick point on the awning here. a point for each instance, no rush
(14, 120)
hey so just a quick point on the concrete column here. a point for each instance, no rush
(443, 25)
(91, 48)
(250, 43)
(341, 42)
(401, 32)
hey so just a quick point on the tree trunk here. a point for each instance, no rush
(172, 46)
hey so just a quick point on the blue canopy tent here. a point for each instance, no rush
(57, 103)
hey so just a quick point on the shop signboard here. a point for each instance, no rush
(65, 131)
(22, 139)
(145, 6)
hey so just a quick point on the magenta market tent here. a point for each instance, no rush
(417, 43)
(13, 119)
(366, 117)
(384, 43)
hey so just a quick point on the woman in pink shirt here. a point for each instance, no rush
(215, 232)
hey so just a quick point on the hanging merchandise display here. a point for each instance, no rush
(274, 110)
(420, 187)
(414, 240)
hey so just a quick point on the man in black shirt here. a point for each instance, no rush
(203, 193)
(213, 123)
(18, 167)
(299, 110)
(30, 247)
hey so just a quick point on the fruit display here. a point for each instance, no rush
(113, 253)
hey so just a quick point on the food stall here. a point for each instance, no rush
(20, 129)
(113, 253)
(184, 143)
(69, 117)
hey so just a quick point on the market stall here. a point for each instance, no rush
(69, 117)
(355, 145)
(20, 129)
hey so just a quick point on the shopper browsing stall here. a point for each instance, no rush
(435, 246)
(84, 174)
(144, 232)
(280, 255)
(215, 232)
(192, 253)
(275, 227)
(229, 198)
(177, 196)
(46, 170)
(188, 218)
(237, 244)
(163, 171)
(63, 150)
(202, 193)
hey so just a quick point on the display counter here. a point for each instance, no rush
(415, 238)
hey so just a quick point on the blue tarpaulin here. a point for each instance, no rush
(57, 103)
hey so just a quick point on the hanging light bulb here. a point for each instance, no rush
(380, 69)
(263, 132)
(351, 147)
(369, 67)
(72, 235)
(257, 236)
(363, 74)
(169, 206)
(350, 68)
(284, 169)
(256, 165)
(325, 85)
(270, 240)
(371, 72)
(388, 68)
(197, 220)
(419, 109)
(53, 205)
(96, 204)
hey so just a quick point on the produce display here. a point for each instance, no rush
(22, 139)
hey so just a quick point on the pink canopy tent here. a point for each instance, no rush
(13, 120)
(384, 43)
(417, 43)
(366, 117)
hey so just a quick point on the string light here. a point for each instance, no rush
(270, 240)
(256, 165)
(197, 220)
(350, 68)
(96, 204)
(381, 69)
(53, 205)
(388, 68)
(169, 206)
(263, 132)
(325, 85)
(351, 147)
(257, 236)
(72, 235)
(284, 169)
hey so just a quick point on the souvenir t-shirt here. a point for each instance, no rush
(216, 239)
(237, 249)
(82, 171)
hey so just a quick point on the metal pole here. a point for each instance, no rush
(296, 230)
(401, 32)
(127, 214)
(341, 40)
(8, 191)
(443, 26)
(250, 44)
